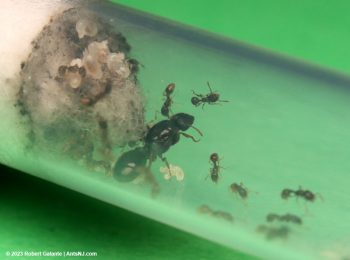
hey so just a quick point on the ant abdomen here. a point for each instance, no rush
(195, 101)
(130, 164)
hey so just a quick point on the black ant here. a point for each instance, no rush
(286, 218)
(273, 232)
(214, 172)
(157, 141)
(239, 189)
(168, 101)
(134, 65)
(204, 209)
(306, 194)
(210, 98)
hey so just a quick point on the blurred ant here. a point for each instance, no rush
(223, 215)
(305, 194)
(286, 218)
(134, 65)
(214, 172)
(167, 103)
(204, 209)
(240, 190)
(273, 232)
(210, 98)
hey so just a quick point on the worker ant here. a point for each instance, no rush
(205, 209)
(134, 65)
(286, 218)
(240, 190)
(168, 101)
(214, 172)
(274, 232)
(210, 98)
(157, 141)
(306, 194)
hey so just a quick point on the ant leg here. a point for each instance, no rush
(189, 136)
(198, 95)
(166, 163)
(209, 87)
(306, 210)
(320, 196)
(150, 178)
(198, 131)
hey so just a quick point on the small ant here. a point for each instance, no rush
(134, 65)
(287, 218)
(306, 194)
(239, 189)
(204, 209)
(167, 103)
(272, 232)
(210, 98)
(214, 172)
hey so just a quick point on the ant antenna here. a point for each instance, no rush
(189, 136)
(198, 131)
(209, 87)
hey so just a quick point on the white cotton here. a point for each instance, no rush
(86, 27)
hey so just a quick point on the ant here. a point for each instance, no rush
(204, 209)
(306, 194)
(273, 232)
(239, 189)
(134, 65)
(210, 98)
(287, 218)
(157, 141)
(167, 103)
(214, 172)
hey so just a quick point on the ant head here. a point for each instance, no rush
(271, 217)
(286, 193)
(234, 187)
(182, 121)
(214, 157)
(133, 65)
(308, 195)
(169, 89)
(195, 101)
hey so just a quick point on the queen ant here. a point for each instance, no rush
(157, 141)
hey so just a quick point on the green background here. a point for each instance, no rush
(316, 31)
(36, 215)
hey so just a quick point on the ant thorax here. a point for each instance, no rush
(213, 97)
